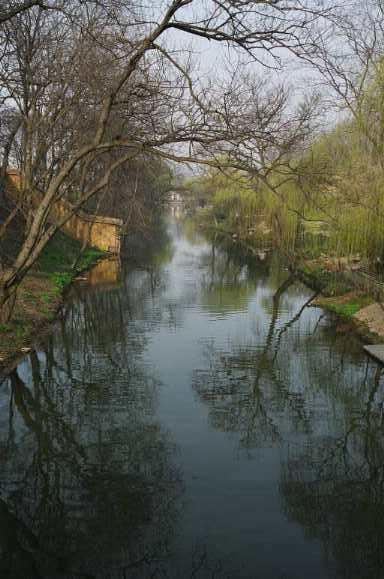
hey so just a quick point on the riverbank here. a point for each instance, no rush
(341, 294)
(41, 295)
(334, 279)
(346, 298)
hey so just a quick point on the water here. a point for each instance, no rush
(193, 419)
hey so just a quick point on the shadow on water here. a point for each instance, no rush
(196, 419)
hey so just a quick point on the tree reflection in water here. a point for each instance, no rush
(245, 388)
(278, 391)
(88, 482)
(334, 486)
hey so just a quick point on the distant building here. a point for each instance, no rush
(175, 197)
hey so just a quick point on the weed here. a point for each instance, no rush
(61, 280)
(20, 331)
(46, 297)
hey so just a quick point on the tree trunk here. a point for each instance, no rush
(8, 146)
(7, 303)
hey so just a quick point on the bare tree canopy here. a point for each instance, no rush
(90, 85)
(15, 8)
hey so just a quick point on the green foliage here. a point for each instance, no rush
(249, 209)
(346, 310)
(20, 331)
(59, 254)
(37, 302)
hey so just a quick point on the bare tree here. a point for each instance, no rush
(350, 62)
(87, 89)
(15, 8)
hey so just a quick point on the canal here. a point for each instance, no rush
(195, 418)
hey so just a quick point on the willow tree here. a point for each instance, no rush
(341, 177)
(119, 79)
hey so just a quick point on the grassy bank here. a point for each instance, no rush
(359, 308)
(336, 281)
(41, 294)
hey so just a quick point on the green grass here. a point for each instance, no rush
(346, 310)
(89, 257)
(57, 263)
(41, 293)
(350, 308)
(58, 257)
(62, 251)
(328, 282)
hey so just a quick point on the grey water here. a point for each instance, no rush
(193, 417)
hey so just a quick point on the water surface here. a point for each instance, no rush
(193, 419)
